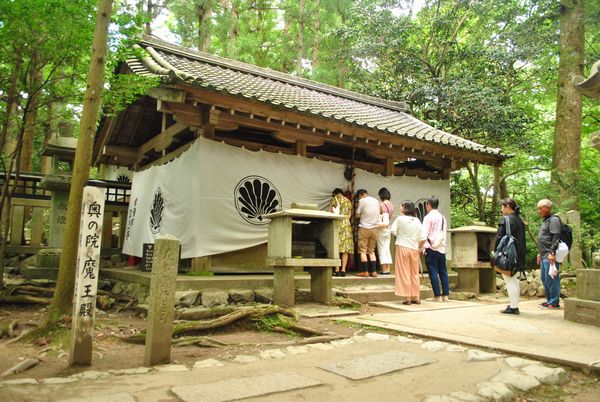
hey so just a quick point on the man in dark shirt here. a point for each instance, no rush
(548, 239)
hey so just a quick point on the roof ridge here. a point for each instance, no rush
(153, 42)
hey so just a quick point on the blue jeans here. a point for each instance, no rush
(551, 285)
(436, 265)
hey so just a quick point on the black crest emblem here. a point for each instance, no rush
(256, 196)
(420, 208)
(156, 211)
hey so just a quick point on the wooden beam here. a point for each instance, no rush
(316, 137)
(162, 140)
(292, 138)
(228, 101)
(166, 158)
(167, 94)
(122, 155)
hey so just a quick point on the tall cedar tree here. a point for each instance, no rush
(62, 300)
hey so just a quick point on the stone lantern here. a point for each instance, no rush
(62, 152)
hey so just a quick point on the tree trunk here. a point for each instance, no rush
(149, 16)
(496, 195)
(234, 31)
(300, 44)
(203, 11)
(317, 27)
(474, 175)
(285, 59)
(567, 132)
(61, 303)
(11, 105)
(26, 161)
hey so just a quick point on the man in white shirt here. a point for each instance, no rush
(368, 212)
(434, 229)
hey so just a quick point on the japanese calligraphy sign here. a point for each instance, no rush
(147, 256)
(86, 283)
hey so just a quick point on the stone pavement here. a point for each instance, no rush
(539, 334)
(322, 371)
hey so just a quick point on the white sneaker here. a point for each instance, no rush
(445, 298)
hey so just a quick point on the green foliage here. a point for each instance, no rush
(124, 89)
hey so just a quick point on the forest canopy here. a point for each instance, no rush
(484, 70)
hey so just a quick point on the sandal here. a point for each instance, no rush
(407, 302)
(416, 301)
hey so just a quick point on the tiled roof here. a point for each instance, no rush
(200, 69)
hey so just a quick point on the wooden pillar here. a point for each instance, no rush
(389, 167)
(37, 226)
(107, 229)
(17, 223)
(301, 148)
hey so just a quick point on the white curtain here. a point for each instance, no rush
(213, 196)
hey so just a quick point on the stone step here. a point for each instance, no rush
(377, 295)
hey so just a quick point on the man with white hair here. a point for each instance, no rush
(548, 239)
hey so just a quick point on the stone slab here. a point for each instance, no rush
(241, 388)
(427, 305)
(319, 310)
(377, 364)
(379, 295)
(588, 284)
(484, 327)
(582, 311)
(121, 397)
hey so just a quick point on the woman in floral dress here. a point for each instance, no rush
(346, 241)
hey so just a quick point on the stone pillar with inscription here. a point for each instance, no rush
(86, 282)
(162, 299)
(574, 220)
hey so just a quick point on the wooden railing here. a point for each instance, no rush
(30, 213)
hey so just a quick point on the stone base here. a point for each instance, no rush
(588, 284)
(476, 280)
(49, 258)
(582, 311)
(47, 264)
(39, 273)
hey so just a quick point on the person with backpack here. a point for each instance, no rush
(511, 224)
(548, 240)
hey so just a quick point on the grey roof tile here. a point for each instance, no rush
(294, 93)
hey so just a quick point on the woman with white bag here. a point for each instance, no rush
(384, 234)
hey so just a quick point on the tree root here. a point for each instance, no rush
(253, 313)
(206, 314)
(190, 327)
(202, 341)
(4, 298)
(8, 329)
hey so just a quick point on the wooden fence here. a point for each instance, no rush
(30, 214)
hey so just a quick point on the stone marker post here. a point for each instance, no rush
(86, 282)
(574, 219)
(162, 300)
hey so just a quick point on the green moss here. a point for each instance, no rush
(269, 322)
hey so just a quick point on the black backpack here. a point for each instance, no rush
(566, 233)
(505, 257)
